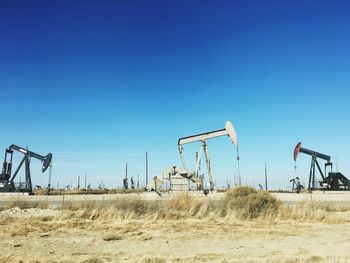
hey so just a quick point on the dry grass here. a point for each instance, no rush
(24, 205)
(182, 229)
(186, 206)
(133, 208)
(242, 203)
(248, 203)
(238, 206)
(180, 207)
(303, 211)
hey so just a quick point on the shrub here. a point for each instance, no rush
(248, 203)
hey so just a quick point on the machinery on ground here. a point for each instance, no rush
(296, 185)
(337, 181)
(334, 180)
(202, 138)
(7, 183)
(179, 174)
(175, 176)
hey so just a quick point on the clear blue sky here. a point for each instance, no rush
(99, 83)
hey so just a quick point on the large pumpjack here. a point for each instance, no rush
(7, 183)
(334, 180)
(228, 130)
(179, 173)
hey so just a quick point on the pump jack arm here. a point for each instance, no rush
(203, 136)
(26, 152)
(316, 154)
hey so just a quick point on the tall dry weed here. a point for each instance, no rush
(181, 202)
(25, 205)
(184, 205)
(248, 203)
(307, 211)
(240, 203)
(122, 208)
(180, 206)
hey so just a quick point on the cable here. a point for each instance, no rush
(239, 169)
(138, 160)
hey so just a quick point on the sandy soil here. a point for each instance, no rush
(46, 235)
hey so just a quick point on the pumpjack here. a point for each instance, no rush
(228, 130)
(296, 185)
(334, 180)
(7, 181)
(183, 172)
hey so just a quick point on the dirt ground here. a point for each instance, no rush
(46, 235)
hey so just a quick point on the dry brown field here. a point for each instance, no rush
(182, 229)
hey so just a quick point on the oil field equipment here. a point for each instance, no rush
(7, 181)
(228, 130)
(179, 176)
(296, 185)
(176, 178)
(334, 181)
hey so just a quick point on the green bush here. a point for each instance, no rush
(248, 203)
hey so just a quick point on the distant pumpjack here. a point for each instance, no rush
(132, 183)
(125, 183)
(296, 186)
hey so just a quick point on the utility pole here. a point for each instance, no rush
(238, 167)
(85, 180)
(78, 181)
(138, 181)
(265, 177)
(146, 169)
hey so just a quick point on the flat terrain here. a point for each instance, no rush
(83, 235)
(57, 201)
